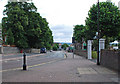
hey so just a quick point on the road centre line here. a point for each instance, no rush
(30, 66)
(21, 57)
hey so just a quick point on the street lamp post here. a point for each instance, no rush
(98, 63)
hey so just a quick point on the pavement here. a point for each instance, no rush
(68, 69)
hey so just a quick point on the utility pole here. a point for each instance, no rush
(98, 59)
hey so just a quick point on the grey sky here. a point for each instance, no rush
(62, 15)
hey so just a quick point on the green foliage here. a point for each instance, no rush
(22, 43)
(0, 26)
(56, 44)
(95, 45)
(79, 33)
(94, 54)
(10, 37)
(118, 45)
(109, 20)
(55, 48)
(64, 46)
(28, 27)
(107, 41)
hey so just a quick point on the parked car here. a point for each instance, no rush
(43, 50)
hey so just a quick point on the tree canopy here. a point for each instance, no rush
(29, 29)
(65, 45)
(109, 24)
(109, 20)
(80, 33)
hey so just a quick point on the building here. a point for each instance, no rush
(119, 5)
(108, 0)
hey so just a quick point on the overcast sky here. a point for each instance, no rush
(62, 15)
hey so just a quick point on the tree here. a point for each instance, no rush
(109, 20)
(28, 27)
(65, 45)
(10, 37)
(55, 48)
(0, 26)
(15, 21)
(79, 33)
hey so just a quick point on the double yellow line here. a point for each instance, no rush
(29, 66)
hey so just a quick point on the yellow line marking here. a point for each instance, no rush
(11, 69)
(29, 66)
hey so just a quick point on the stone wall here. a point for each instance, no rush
(35, 50)
(81, 53)
(1, 50)
(7, 50)
(110, 59)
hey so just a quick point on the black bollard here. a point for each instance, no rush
(24, 62)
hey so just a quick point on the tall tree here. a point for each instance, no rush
(10, 37)
(28, 27)
(109, 20)
(16, 20)
(79, 33)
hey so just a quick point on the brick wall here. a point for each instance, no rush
(110, 59)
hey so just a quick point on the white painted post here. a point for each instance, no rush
(89, 49)
(101, 46)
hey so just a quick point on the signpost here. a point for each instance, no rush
(73, 41)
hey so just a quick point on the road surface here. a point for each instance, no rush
(55, 67)
(10, 62)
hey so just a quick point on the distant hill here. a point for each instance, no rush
(64, 43)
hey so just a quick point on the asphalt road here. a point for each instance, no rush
(14, 61)
(54, 67)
